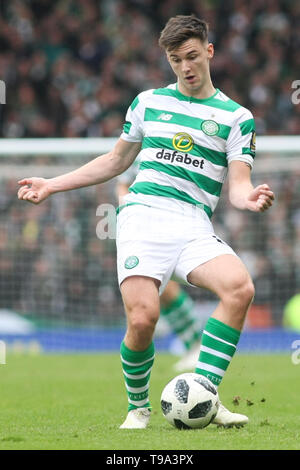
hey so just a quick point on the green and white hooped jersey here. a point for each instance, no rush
(187, 144)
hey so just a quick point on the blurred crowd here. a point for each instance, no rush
(72, 67)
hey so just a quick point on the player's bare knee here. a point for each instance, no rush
(143, 317)
(240, 295)
(245, 294)
(141, 325)
(250, 292)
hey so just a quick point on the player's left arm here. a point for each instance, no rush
(242, 193)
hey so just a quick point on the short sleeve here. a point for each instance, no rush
(240, 144)
(133, 127)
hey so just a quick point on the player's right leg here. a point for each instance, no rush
(146, 259)
(141, 301)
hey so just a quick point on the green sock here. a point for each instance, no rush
(181, 317)
(137, 367)
(218, 346)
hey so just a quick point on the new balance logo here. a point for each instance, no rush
(165, 117)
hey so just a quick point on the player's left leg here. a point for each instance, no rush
(178, 309)
(227, 277)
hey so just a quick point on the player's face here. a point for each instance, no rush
(190, 63)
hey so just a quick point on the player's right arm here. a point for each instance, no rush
(97, 171)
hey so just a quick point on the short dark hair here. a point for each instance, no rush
(180, 28)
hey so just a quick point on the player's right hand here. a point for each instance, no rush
(33, 190)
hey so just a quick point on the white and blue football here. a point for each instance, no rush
(189, 401)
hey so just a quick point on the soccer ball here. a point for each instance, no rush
(189, 401)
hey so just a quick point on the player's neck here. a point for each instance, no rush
(201, 93)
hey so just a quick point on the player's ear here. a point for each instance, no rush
(210, 50)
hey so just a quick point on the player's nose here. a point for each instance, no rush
(185, 67)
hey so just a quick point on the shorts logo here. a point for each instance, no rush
(131, 262)
(210, 127)
(183, 142)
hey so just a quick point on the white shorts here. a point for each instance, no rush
(163, 245)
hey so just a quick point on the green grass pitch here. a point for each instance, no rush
(78, 402)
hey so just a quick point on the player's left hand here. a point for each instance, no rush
(260, 198)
